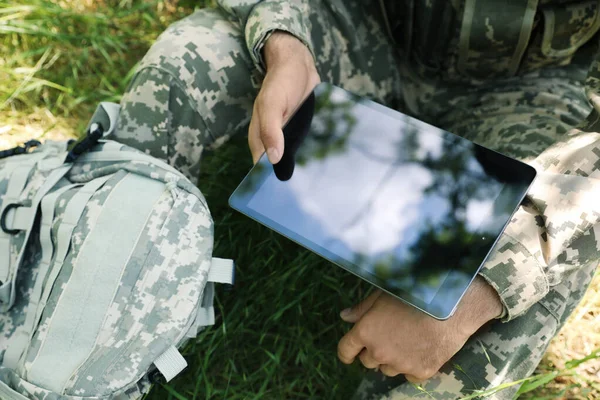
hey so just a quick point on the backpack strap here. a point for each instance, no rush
(71, 217)
(19, 173)
(170, 363)
(16, 184)
(7, 290)
(41, 292)
(111, 145)
(125, 156)
(222, 271)
(21, 340)
(205, 315)
(10, 394)
(15, 151)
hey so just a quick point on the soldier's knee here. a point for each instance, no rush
(194, 86)
(205, 54)
(144, 117)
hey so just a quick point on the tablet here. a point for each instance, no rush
(406, 206)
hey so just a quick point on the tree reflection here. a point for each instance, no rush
(458, 178)
(330, 129)
(449, 243)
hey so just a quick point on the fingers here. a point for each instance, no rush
(355, 313)
(388, 370)
(367, 360)
(349, 347)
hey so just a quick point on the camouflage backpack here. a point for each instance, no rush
(106, 268)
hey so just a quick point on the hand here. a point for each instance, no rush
(399, 339)
(291, 76)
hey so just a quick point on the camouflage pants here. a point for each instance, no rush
(196, 86)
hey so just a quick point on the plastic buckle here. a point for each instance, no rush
(3, 218)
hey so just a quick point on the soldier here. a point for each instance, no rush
(508, 75)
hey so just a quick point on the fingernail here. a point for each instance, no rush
(345, 313)
(273, 155)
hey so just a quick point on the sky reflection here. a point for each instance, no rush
(389, 197)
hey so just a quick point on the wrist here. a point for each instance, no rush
(480, 305)
(283, 47)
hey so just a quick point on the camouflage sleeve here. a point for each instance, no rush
(259, 19)
(555, 236)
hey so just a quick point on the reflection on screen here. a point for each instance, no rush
(389, 195)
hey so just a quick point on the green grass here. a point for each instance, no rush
(68, 57)
(277, 330)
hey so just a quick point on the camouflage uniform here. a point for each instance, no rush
(508, 75)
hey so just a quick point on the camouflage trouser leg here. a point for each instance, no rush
(520, 117)
(196, 86)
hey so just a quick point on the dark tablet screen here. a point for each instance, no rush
(404, 205)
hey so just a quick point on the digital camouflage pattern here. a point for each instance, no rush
(158, 290)
(473, 67)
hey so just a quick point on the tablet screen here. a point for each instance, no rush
(409, 207)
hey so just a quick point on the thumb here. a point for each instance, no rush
(355, 313)
(271, 109)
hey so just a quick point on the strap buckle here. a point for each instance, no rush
(3, 226)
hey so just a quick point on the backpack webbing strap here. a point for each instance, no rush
(204, 317)
(21, 340)
(9, 164)
(48, 210)
(170, 363)
(39, 296)
(73, 212)
(7, 291)
(125, 156)
(110, 145)
(16, 184)
(9, 394)
(221, 271)
(205, 314)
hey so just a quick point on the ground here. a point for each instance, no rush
(277, 331)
